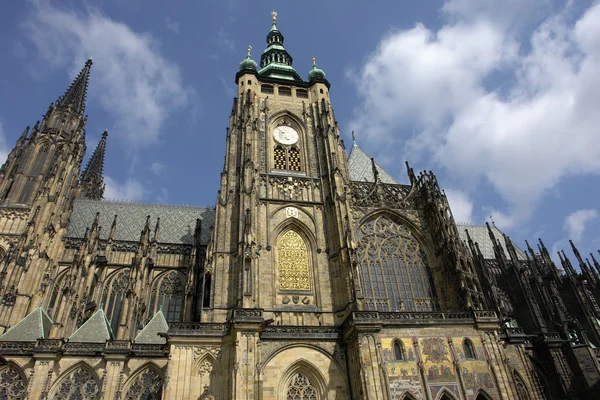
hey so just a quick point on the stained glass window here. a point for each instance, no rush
(79, 384)
(521, 388)
(293, 262)
(168, 295)
(398, 351)
(114, 295)
(301, 389)
(469, 350)
(147, 386)
(12, 385)
(393, 266)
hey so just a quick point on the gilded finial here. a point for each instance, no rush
(274, 16)
(249, 50)
(314, 60)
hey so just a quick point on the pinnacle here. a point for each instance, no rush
(76, 93)
(92, 176)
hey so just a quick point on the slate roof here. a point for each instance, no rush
(94, 330)
(149, 335)
(480, 235)
(36, 325)
(361, 169)
(177, 223)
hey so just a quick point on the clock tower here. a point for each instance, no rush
(280, 252)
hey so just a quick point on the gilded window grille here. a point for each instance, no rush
(279, 158)
(287, 158)
(293, 262)
(394, 272)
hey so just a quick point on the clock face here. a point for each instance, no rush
(285, 135)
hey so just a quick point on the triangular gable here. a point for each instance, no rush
(149, 335)
(361, 168)
(94, 330)
(36, 325)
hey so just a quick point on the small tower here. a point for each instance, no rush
(91, 182)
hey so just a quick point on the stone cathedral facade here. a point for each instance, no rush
(316, 276)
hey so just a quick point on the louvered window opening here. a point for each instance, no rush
(287, 158)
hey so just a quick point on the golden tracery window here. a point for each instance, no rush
(293, 262)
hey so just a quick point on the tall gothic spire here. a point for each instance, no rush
(92, 180)
(75, 94)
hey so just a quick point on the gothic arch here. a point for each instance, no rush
(282, 208)
(168, 293)
(394, 267)
(280, 350)
(13, 382)
(522, 391)
(301, 146)
(445, 394)
(78, 382)
(482, 395)
(305, 379)
(408, 396)
(56, 293)
(146, 382)
(294, 259)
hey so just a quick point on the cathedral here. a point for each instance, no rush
(315, 276)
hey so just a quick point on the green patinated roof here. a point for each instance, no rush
(149, 335)
(94, 330)
(479, 234)
(315, 72)
(177, 223)
(36, 325)
(360, 167)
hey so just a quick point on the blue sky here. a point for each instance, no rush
(500, 99)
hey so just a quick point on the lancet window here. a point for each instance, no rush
(168, 295)
(469, 350)
(79, 384)
(395, 275)
(521, 388)
(12, 384)
(114, 294)
(147, 386)
(293, 262)
(287, 158)
(398, 351)
(300, 388)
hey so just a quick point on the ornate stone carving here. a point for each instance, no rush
(291, 212)
(12, 385)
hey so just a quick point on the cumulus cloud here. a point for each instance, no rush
(486, 104)
(575, 223)
(131, 79)
(130, 190)
(461, 206)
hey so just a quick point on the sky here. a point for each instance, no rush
(499, 98)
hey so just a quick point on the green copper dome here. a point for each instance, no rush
(316, 72)
(248, 62)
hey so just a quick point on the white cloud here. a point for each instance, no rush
(3, 147)
(134, 83)
(485, 103)
(158, 168)
(172, 25)
(461, 206)
(163, 196)
(575, 223)
(130, 190)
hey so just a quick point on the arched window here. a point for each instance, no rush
(147, 386)
(168, 295)
(393, 266)
(469, 349)
(39, 161)
(521, 388)
(293, 262)
(78, 384)
(27, 191)
(114, 294)
(300, 388)
(54, 303)
(287, 158)
(399, 351)
(12, 384)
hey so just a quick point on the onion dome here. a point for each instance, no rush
(248, 62)
(315, 73)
